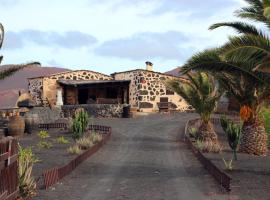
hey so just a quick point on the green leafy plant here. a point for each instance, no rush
(80, 123)
(193, 132)
(45, 144)
(27, 183)
(228, 164)
(233, 132)
(75, 149)
(199, 144)
(62, 140)
(208, 146)
(43, 135)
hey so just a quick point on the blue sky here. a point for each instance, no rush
(111, 35)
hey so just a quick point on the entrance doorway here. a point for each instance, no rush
(82, 96)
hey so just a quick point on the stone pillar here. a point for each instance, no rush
(59, 101)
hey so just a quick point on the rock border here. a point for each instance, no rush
(219, 175)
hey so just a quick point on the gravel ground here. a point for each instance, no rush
(250, 175)
(143, 160)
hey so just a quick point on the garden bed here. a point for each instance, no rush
(57, 156)
(250, 174)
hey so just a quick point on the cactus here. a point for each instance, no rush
(80, 123)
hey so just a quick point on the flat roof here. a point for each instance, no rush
(91, 82)
(133, 70)
(70, 71)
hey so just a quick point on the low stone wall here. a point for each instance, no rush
(96, 110)
(41, 115)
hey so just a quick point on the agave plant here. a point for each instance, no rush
(201, 92)
(233, 132)
(27, 183)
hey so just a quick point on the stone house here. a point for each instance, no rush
(143, 89)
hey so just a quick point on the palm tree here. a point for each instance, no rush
(252, 43)
(250, 88)
(5, 72)
(200, 91)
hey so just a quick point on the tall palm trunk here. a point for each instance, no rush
(207, 132)
(254, 138)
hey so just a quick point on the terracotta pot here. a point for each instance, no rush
(16, 126)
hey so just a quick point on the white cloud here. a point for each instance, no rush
(69, 39)
(124, 32)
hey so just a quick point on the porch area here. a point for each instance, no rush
(81, 92)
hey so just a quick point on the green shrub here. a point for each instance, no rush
(44, 144)
(233, 132)
(75, 149)
(84, 142)
(193, 132)
(266, 120)
(62, 140)
(79, 124)
(43, 135)
(199, 144)
(228, 164)
(27, 183)
(208, 146)
(95, 137)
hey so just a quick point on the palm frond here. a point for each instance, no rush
(255, 12)
(247, 48)
(240, 27)
(6, 72)
(210, 61)
(2, 32)
(200, 92)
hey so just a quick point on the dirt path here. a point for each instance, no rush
(142, 161)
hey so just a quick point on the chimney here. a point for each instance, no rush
(149, 66)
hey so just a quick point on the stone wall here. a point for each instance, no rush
(49, 86)
(146, 89)
(44, 114)
(96, 110)
(35, 88)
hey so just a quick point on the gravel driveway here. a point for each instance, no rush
(144, 160)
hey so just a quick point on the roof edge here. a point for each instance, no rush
(146, 71)
(70, 72)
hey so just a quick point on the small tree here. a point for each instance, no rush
(201, 92)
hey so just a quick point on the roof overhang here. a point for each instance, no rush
(76, 83)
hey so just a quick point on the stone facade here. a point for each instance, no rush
(45, 88)
(96, 110)
(35, 89)
(146, 89)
